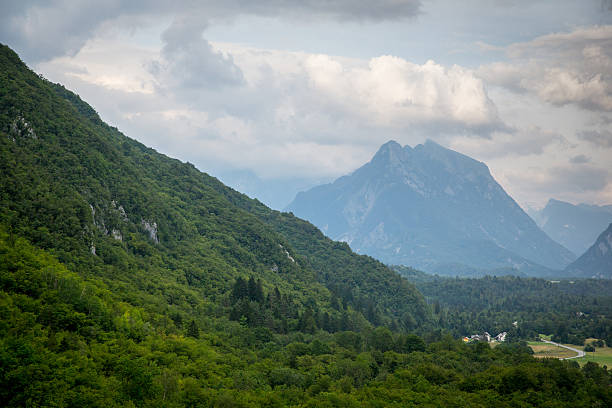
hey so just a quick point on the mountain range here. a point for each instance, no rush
(574, 226)
(431, 208)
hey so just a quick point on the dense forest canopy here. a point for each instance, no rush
(570, 310)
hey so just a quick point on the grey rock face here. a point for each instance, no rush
(429, 206)
(116, 234)
(151, 228)
(21, 128)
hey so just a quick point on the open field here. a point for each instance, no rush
(602, 356)
(546, 350)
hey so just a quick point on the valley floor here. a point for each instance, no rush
(543, 349)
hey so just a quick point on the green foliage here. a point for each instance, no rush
(570, 310)
(193, 330)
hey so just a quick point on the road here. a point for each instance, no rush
(579, 354)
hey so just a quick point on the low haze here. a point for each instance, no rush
(308, 91)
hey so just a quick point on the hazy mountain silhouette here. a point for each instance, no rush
(596, 262)
(574, 226)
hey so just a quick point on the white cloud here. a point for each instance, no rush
(576, 178)
(289, 114)
(127, 73)
(394, 92)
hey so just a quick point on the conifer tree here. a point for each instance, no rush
(193, 330)
(252, 289)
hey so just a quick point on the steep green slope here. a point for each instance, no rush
(352, 279)
(106, 205)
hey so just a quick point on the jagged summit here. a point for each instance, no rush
(389, 153)
(390, 146)
(429, 206)
(398, 157)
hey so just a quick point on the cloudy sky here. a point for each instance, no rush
(299, 92)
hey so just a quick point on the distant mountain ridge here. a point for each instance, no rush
(430, 207)
(575, 227)
(596, 262)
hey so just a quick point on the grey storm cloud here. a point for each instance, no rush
(562, 180)
(188, 61)
(580, 159)
(584, 177)
(600, 138)
(41, 30)
(513, 143)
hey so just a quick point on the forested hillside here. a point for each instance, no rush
(131, 279)
(570, 310)
(100, 200)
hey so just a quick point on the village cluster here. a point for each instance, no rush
(486, 337)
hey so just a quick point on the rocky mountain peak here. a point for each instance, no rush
(390, 153)
(425, 206)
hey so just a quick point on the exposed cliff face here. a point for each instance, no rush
(596, 262)
(429, 206)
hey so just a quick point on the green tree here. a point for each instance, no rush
(193, 330)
